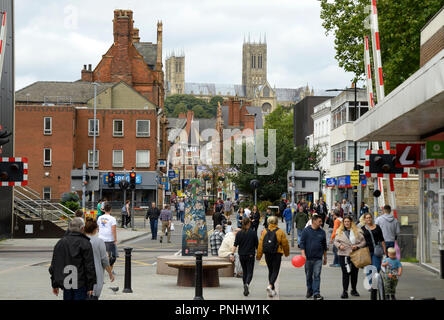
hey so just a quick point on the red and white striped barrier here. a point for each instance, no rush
(2, 41)
(376, 45)
(25, 172)
(368, 73)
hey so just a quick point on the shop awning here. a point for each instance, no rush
(411, 112)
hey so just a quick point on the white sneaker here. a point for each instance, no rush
(270, 291)
(274, 293)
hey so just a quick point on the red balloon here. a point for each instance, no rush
(298, 261)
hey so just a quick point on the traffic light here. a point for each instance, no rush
(132, 180)
(13, 172)
(376, 193)
(4, 137)
(384, 163)
(360, 168)
(254, 184)
(111, 179)
(123, 184)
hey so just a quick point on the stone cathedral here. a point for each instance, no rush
(254, 88)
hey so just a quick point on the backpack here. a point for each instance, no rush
(270, 243)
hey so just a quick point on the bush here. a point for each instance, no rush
(71, 205)
(263, 205)
(70, 196)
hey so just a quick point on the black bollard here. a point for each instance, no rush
(199, 271)
(127, 286)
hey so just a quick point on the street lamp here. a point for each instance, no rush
(95, 84)
(355, 90)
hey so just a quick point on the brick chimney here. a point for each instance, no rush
(87, 74)
(123, 38)
(190, 118)
(159, 46)
(234, 112)
(136, 37)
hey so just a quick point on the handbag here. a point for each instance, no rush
(378, 251)
(361, 257)
(172, 226)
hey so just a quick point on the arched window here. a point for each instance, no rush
(266, 92)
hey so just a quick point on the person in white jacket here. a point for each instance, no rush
(226, 249)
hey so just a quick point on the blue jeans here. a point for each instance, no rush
(153, 224)
(376, 261)
(299, 236)
(335, 253)
(313, 275)
(389, 244)
(74, 294)
(288, 223)
(182, 216)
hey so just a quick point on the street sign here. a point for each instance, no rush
(354, 178)
(92, 176)
(171, 174)
(305, 181)
(162, 163)
(407, 155)
(435, 149)
(164, 180)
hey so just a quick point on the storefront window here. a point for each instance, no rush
(431, 217)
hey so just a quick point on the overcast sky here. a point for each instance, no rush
(55, 38)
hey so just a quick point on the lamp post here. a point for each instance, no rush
(255, 165)
(355, 164)
(95, 84)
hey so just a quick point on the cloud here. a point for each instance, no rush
(54, 39)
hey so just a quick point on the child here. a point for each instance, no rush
(393, 270)
(228, 228)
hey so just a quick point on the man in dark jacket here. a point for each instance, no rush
(153, 214)
(72, 268)
(219, 219)
(314, 248)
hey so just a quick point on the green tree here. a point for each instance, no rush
(201, 108)
(400, 24)
(272, 187)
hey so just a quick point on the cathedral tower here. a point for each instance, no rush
(254, 65)
(175, 74)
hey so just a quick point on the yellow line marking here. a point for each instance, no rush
(137, 262)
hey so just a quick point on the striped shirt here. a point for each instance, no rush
(166, 215)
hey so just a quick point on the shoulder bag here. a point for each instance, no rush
(361, 257)
(378, 250)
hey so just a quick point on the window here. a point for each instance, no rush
(91, 160)
(117, 158)
(47, 193)
(47, 126)
(143, 128)
(142, 158)
(338, 153)
(47, 157)
(362, 148)
(118, 128)
(91, 127)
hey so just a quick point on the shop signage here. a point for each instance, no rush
(354, 178)
(435, 149)
(120, 177)
(407, 155)
(331, 182)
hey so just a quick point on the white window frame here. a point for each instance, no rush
(144, 135)
(143, 165)
(47, 132)
(47, 163)
(116, 133)
(43, 193)
(90, 162)
(116, 164)
(90, 131)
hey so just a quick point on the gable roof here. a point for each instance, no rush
(78, 92)
(215, 89)
(149, 52)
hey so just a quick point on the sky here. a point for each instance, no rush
(55, 38)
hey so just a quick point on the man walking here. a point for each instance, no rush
(314, 247)
(182, 210)
(228, 206)
(72, 267)
(216, 239)
(107, 232)
(390, 227)
(346, 207)
(288, 216)
(165, 217)
(153, 214)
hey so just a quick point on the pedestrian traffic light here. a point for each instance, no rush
(111, 179)
(132, 180)
(384, 163)
(4, 137)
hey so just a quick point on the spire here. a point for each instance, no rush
(260, 38)
(248, 37)
(265, 38)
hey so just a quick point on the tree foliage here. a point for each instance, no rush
(181, 103)
(273, 186)
(400, 23)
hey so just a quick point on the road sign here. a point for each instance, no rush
(305, 181)
(407, 155)
(171, 174)
(92, 176)
(162, 163)
(164, 180)
(435, 149)
(354, 178)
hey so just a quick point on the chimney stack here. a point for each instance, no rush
(89, 67)
(136, 37)
(159, 46)
(87, 74)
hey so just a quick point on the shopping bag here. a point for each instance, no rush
(361, 257)
(398, 251)
(172, 226)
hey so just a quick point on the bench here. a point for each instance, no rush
(186, 276)
(164, 269)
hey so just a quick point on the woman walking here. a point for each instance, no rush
(255, 216)
(376, 244)
(101, 260)
(348, 239)
(273, 244)
(240, 216)
(246, 242)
